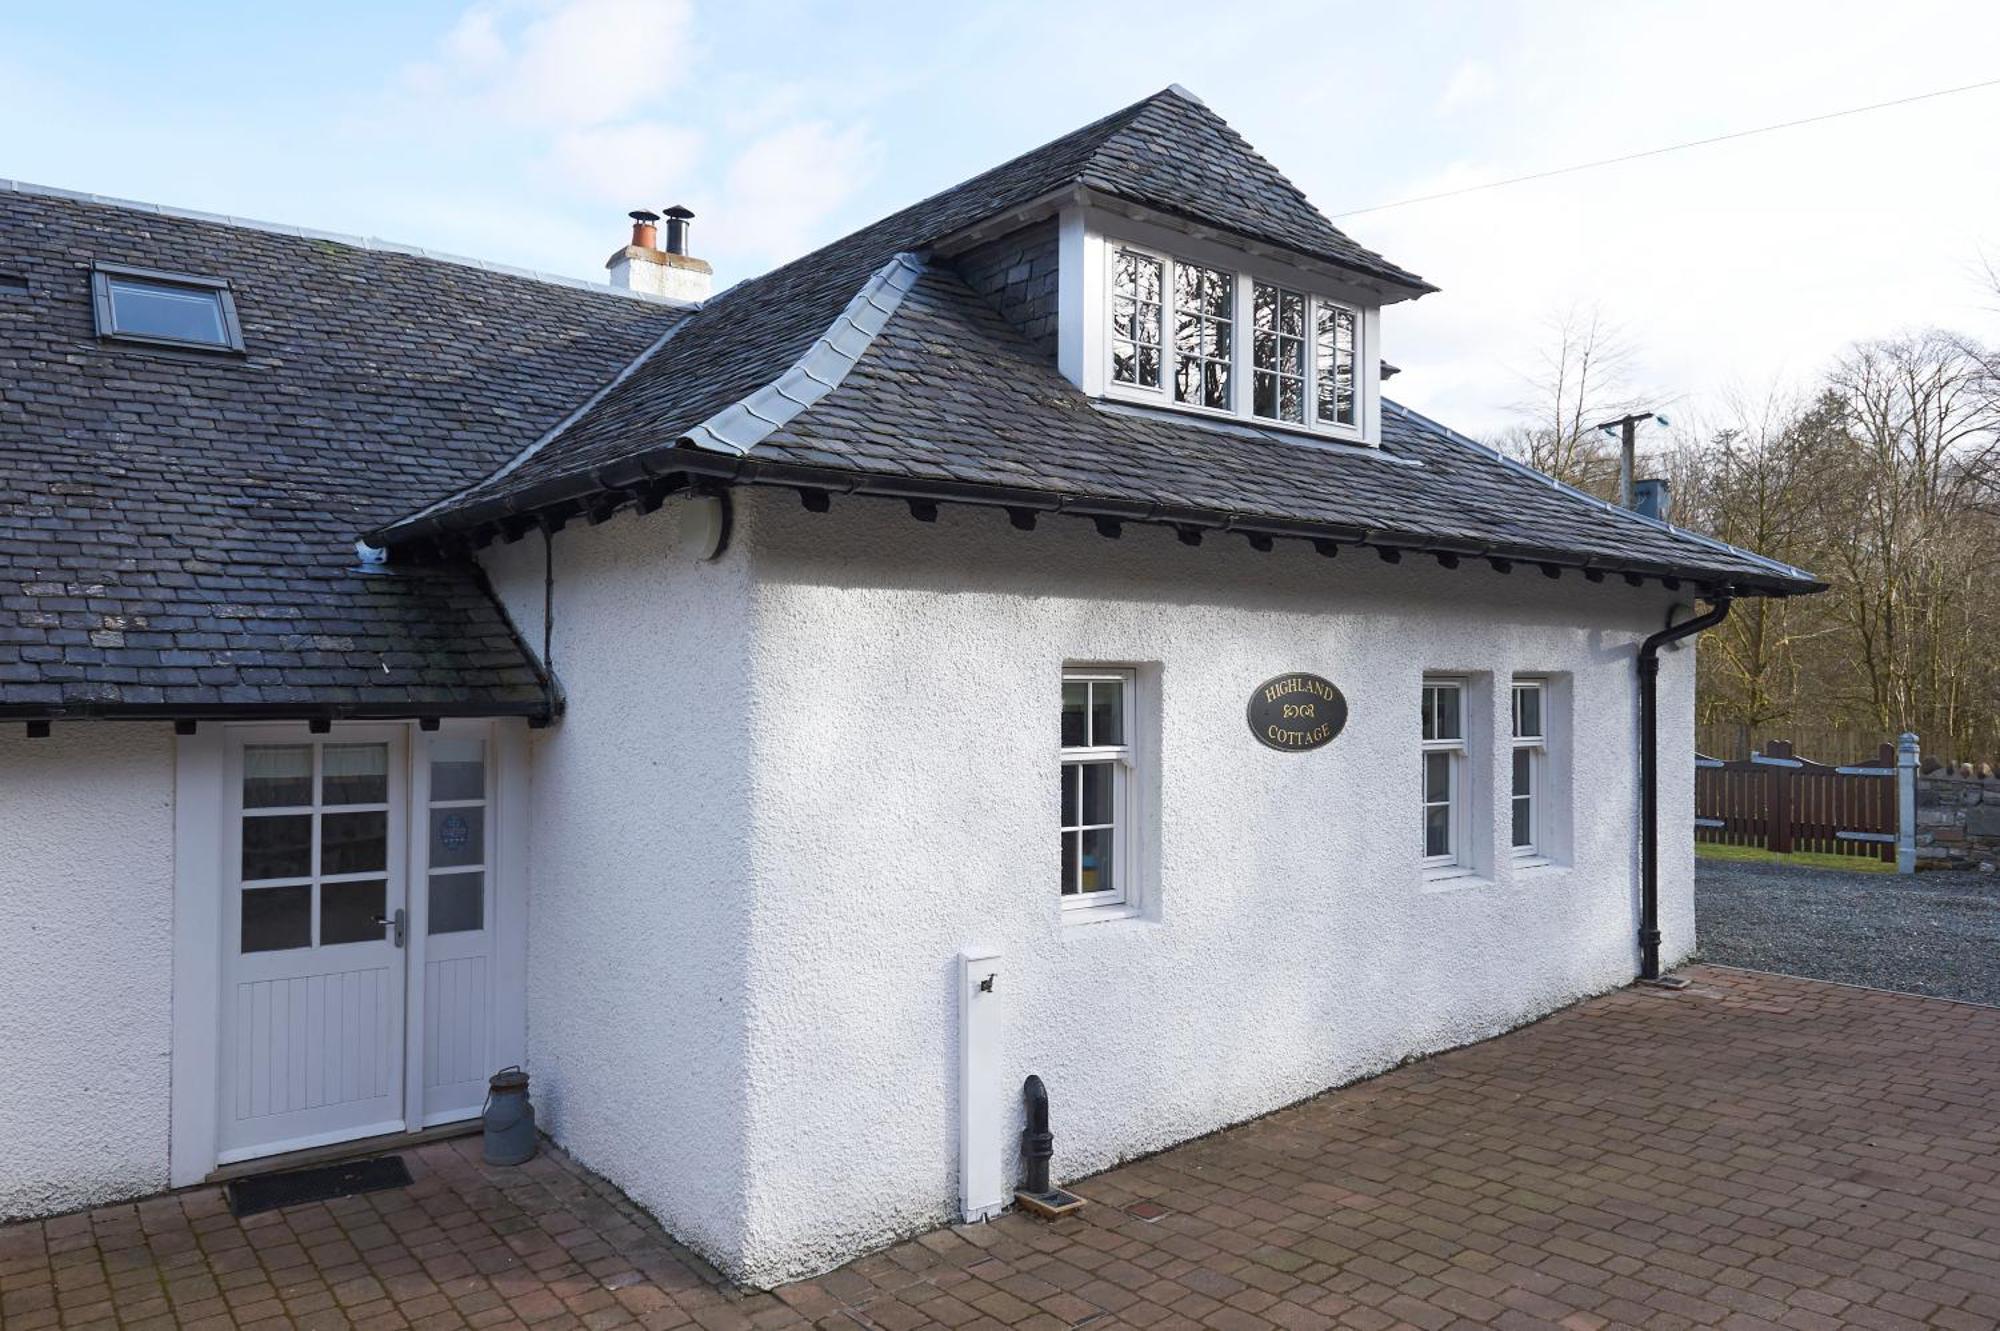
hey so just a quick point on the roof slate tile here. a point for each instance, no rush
(175, 527)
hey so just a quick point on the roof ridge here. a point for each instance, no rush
(373, 244)
(1515, 464)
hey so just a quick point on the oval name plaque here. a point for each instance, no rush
(1294, 713)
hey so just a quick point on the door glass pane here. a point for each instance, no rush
(458, 769)
(458, 903)
(1095, 863)
(348, 911)
(278, 846)
(458, 836)
(354, 774)
(275, 918)
(277, 776)
(1107, 712)
(354, 842)
(1075, 698)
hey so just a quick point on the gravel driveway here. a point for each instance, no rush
(1934, 933)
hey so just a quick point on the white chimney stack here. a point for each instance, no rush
(670, 272)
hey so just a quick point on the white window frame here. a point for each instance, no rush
(1123, 758)
(1247, 276)
(1537, 747)
(1458, 800)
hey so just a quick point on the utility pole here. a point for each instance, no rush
(1628, 465)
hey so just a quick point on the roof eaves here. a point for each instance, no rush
(1777, 567)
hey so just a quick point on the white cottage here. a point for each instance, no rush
(1016, 638)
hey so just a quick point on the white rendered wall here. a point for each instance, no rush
(792, 785)
(86, 964)
(639, 872)
(905, 696)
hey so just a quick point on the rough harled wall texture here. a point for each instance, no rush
(86, 964)
(639, 875)
(904, 705)
(1017, 273)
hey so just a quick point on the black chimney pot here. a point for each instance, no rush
(677, 229)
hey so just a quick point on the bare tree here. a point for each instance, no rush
(1582, 380)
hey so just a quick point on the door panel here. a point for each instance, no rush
(453, 917)
(312, 962)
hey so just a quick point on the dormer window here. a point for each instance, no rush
(1278, 354)
(1189, 323)
(165, 309)
(1333, 364)
(1136, 319)
(1204, 317)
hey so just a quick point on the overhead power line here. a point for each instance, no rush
(1670, 148)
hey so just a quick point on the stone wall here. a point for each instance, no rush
(1958, 821)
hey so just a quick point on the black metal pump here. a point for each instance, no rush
(1649, 778)
(1038, 1144)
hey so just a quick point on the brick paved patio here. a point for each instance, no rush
(1753, 1152)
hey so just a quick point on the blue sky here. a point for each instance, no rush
(522, 130)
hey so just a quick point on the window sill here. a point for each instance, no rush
(1453, 878)
(1534, 866)
(1117, 910)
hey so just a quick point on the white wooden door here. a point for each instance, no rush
(452, 925)
(314, 923)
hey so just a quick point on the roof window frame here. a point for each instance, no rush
(101, 277)
(1096, 241)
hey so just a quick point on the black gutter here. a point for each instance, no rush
(536, 711)
(1649, 779)
(643, 475)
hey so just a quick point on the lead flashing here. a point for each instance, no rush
(743, 425)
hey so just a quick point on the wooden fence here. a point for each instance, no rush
(1785, 803)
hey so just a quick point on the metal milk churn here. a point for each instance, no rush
(509, 1119)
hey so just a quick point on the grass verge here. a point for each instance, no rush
(1805, 859)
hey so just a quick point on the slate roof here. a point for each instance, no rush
(947, 399)
(177, 530)
(1168, 151)
(951, 392)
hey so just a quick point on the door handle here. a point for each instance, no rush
(400, 919)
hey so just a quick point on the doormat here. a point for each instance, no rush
(267, 1192)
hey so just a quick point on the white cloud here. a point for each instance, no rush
(588, 62)
(638, 165)
(561, 63)
(784, 185)
(1471, 83)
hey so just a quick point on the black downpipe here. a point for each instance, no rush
(1038, 1144)
(1649, 778)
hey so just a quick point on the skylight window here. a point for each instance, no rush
(165, 309)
